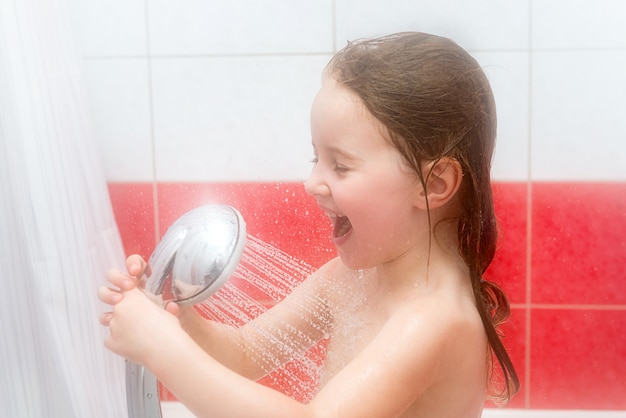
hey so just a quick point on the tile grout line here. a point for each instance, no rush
(201, 55)
(572, 306)
(334, 23)
(155, 191)
(527, 337)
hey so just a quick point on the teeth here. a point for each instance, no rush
(340, 223)
(333, 216)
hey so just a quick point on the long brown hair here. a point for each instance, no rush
(435, 101)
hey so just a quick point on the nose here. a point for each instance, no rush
(315, 184)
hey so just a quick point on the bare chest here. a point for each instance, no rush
(354, 327)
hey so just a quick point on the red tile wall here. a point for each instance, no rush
(561, 259)
(577, 343)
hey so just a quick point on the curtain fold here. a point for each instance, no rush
(57, 231)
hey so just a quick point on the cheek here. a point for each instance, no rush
(379, 197)
(383, 217)
(392, 214)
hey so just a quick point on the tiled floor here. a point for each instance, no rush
(177, 410)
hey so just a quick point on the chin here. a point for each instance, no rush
(355, 263)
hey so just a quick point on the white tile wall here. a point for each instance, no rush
(230, 83)
(578, 128)
(579, 115)
(476, 24)
(234, 119)
(578, 24)
(199, 27)
(120, 108)
(110, 27)
(508, 75)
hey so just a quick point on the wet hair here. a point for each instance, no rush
(435, 101)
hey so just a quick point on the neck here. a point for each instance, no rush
(432, 262)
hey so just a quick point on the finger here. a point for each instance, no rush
(109, 296)
(172, 307)
(120, 279)
(137, 266)
(105, 318)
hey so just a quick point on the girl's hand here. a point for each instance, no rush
(120, 282)
(139, 328)
(134, 314)
(138, 269)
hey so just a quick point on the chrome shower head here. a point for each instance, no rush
(197, 254)
(195, 257)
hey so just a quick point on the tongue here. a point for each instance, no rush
(342, 226)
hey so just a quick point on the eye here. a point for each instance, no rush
(314, 160)
(340, 168)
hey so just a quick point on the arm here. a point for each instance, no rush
(405, 355)
(295, 324)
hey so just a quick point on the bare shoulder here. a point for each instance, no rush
(442, 337)
(333, 268)
(445, 314)
(328, 277)
(445, 355)
(450, 325)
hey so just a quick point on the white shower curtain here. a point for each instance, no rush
(57, 232)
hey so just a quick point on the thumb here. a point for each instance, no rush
(172, 307)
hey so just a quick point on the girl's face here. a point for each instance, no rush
(361, 181)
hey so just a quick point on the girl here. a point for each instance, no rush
(403, 131)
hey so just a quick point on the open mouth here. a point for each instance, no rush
(341, 225)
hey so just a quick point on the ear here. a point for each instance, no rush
(443, 179)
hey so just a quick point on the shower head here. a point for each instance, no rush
(197, 254)
(195, 257)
